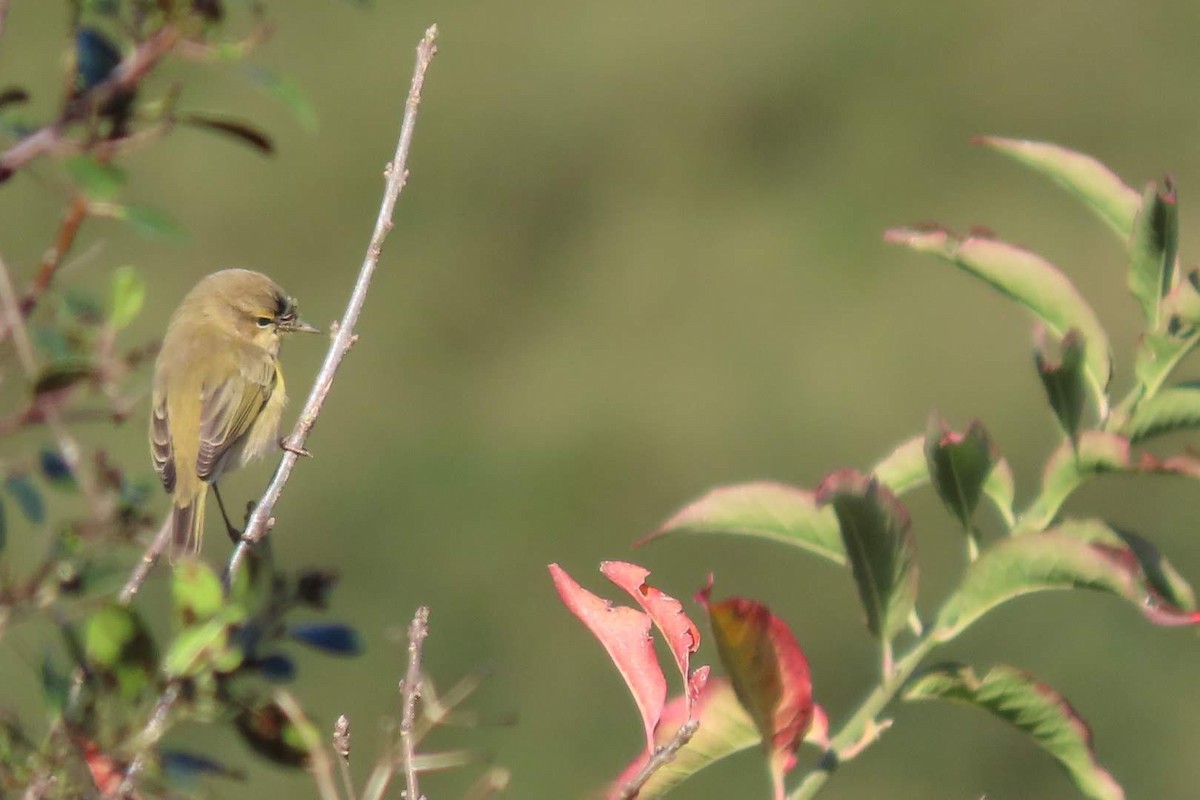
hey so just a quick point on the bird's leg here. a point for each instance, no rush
(300, 451)
(234, 534)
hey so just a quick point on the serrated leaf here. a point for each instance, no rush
(762, 510)
(286, 91)
(1171, 409)
(769, 673)
(879, 545)
(958, 465)
(1049, 561)
(1030, 280)
(1034, 708)
(28, 498)
(151, 223)
(1153, 247)
(1063, 377)
(625, 635)
(1159, 573)
(1068, 468)
(235, 129)
(329, 637)
(100, 182)
(126, 296)
(196, 591)
(1081, 175)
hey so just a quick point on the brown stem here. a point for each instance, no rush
(396, 173)
(662, 756)
(410, 690)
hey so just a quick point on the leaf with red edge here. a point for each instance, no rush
(625, 635)
(682, 635)
(725, 728)
(1068, 468)
(883, 554)
(1034, 708)
(959, 464)
(1054, 560)
(769, 673)
(763, 510)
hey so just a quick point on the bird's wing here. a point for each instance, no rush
(160, 443)
(227, 412)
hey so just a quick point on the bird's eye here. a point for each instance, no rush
(263, 322)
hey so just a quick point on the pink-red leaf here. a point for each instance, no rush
(682, 635)
(769, 673)
(625, 635)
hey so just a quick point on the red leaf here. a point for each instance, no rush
(625, 635)
(769, 673)
(682, 635)
(107, 774)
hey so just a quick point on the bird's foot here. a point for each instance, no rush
(299, 451)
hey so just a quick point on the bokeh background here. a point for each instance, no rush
(640, 256)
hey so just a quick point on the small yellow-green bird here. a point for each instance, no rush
(218, 390)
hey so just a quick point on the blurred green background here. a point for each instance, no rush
(639, 256)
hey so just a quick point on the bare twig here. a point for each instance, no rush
(662, 756)
(397, 174)
(341, 745)
(16, 323)
(318, 756)
(154, 730)
(142, 571)
(410, 690)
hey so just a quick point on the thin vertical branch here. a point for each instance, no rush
(142, 571)
(410, 690)
(154, 730)
(396, 174)
(16, 323)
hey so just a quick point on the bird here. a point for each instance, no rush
(218, 391)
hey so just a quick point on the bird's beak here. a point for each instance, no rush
(300, 326)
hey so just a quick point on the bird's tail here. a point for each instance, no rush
(187, 524)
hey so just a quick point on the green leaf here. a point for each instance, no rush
(126, 296)
(1081, 175)
(1153, 247)
(55, 685)
(762, 510)
(1051, 560)
(21, 488)
(1172, 409)
(1160, 351)
(1068, 468)
(1032, 707)
(1030, 280)
(151, 223)
(202, 648)
(905, 469)
(1063, 377)
(100, 182)
(107, 633)
(196, 590)
(1171, 587)
(958, 465)
(880, 547)
(286, 91)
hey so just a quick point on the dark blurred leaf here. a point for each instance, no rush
(287, 92)
(135, 493)
(127, 294)
(1030, 280)
(1063, 377)
(80, 306)
(55, 469)
(314, 587)
(243, 132)
(270, 734)
(152, 223)
(880, 546)
(63, 373)
(211, 10)
(1081, 175)
(55, 685)
(1034, 708)
(51, 341)
(958, 464)
(12, 96)
(100, 182)
(276, 667)
(106, 8)
(95, 58)
(186, 768)
(1153, 246)
(21, 488)
(330, 637)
